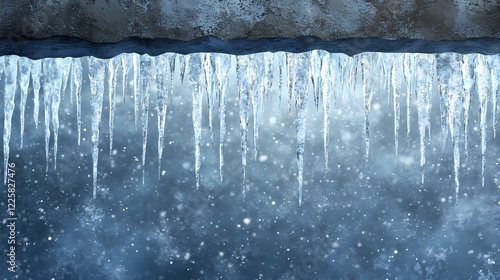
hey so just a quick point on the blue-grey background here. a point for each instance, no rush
(360, 219)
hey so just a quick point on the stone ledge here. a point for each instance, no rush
(108, 21)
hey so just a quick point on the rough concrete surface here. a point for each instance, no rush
(114, 20)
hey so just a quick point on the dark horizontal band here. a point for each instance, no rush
(72, 47)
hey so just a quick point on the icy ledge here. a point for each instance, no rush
(325, 77)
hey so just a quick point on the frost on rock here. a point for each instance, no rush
(329, 77)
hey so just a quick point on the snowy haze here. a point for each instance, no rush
(328, 127)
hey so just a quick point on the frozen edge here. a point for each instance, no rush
(73, 47)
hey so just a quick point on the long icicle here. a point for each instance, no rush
(9, 105)
(61, 65)
(483, 84)
(97, 72)
(301, 65)
(223, 67)
(48, 90)
(243, 87)
(467, 68)
(124, 74)
(366, 60)
(208, 67)
(146, 68)
(113, 64)
(397, 78)
(455, 112)
(408, 72)
(424, 64)
(163, 80)
(443, 77)
(326, 93)
(197, 82)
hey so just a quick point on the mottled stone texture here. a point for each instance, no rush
(114, 20)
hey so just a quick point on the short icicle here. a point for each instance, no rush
(36, 76)
(137, 80)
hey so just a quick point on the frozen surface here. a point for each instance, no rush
(316, 201)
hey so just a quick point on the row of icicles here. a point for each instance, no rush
(327, 76)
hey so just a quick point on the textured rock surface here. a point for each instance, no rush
(114, 20)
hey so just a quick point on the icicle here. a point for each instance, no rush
(146, 68)
(243, 87)
(254, 74)
(268, 74)
(281, 68)
(24, 81)
(468, 63)
(137, 79)
(71, 85)
(396, 79)
(301, 66)
(65, 69)
(162, 78)
(47, 102)
(59, 67)
(495, 84)
(124, 74)
(172, 71)
(327, 59)
(197, 81)
(113, 64)
(455, 113)
(483, 84)
(182, 64)
(366, 60)
(208, 67)
(290, 76)
(9, 98)
(223, 67)
(315, 75)
(97, 73)
(77, 81)
(408, 72)
(36, 76)
(424, 66)
(443, 78)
